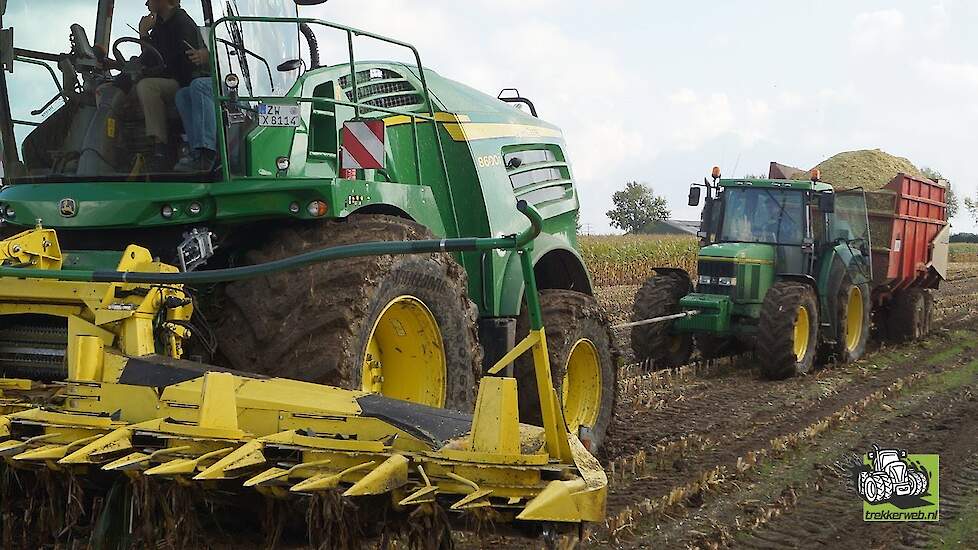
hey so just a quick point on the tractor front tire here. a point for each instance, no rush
(853, 314)
(788, 330)
(660, 296)
(402, 326)
(583, 363)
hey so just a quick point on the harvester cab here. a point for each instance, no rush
(310, 152)
(774, 253)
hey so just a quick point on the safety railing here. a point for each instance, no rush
(359, 108)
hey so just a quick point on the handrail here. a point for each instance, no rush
(357, 106)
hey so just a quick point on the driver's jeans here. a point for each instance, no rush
(154, 95)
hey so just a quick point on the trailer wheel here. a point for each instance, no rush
(399, 325)
(660, 296)
(583, 363)
(852, 321)
(788, 330)
(912, 313)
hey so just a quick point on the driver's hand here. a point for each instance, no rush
(198, 57)
(146, 23)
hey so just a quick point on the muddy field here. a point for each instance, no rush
(714, 456)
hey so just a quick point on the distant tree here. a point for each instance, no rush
(636, 207)
(951, 199)
(972, 207)
(754, 177)
(964, 238)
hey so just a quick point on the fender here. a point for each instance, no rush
(674, 271)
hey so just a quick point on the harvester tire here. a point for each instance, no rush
(660, 296)
(573, 322)
(314, 324)
(787, 333)
(853, 334)
(912, 313)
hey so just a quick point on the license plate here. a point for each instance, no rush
(278, 115)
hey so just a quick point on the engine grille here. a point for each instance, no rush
(714, 269)
(382, 88)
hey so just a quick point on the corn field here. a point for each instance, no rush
(629, 259)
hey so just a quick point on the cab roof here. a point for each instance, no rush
(801, 185)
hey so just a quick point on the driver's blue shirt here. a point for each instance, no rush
(171, 37)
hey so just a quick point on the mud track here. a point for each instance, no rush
(686, 453)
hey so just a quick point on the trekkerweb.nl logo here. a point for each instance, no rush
(896, 486)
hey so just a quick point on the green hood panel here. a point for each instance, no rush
(739, 253)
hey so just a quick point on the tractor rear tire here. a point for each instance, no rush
(912, 314)
(853, 330)
(582, 355)
(788, 330)
(660, 296)
(317, 323)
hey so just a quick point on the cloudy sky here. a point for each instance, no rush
(659, 92)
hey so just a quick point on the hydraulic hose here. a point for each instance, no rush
(313, 44)
(376, 248)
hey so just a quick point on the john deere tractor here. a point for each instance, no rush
(447, 161)
(784, 269)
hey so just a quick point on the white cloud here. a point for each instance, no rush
(945, 75)
(877, 31)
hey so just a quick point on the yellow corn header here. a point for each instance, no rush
(121, 400)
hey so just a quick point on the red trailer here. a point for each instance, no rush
(909, 235)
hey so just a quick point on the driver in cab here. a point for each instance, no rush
(172, 32)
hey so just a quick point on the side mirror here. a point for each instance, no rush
(3, 7)
(290, 65)
(694, 196)
(826, 203)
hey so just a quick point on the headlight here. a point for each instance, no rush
(728, 281)
(705, 279)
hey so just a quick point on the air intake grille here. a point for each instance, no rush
(713, 270)
(382, 88)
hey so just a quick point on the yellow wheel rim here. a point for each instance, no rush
(581, 388)
(801, 333)
(405, 356)
(854, 319)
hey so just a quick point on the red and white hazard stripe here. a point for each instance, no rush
(363, 145)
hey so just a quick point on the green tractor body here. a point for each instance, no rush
(761, 237)
(734, 275)
(796, 271)
(452, 162)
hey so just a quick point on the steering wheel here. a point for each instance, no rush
(147, 47)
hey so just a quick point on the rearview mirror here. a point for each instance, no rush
(297, 2)
(826, 203)
(694, 196)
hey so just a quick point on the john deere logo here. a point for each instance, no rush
(68, 208)
(897, 486)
